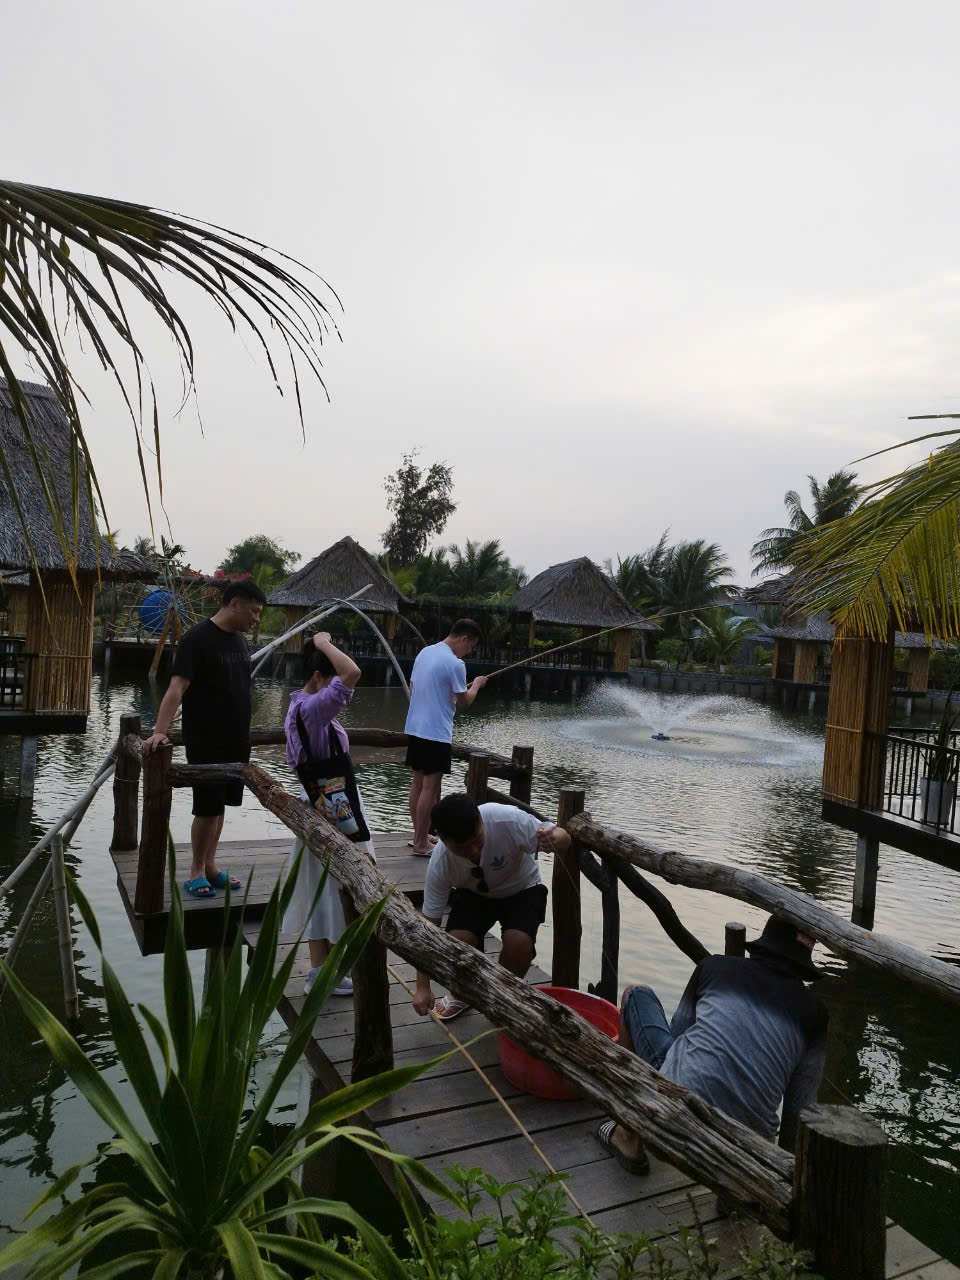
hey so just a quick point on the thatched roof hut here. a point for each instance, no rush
(51, 435)
(337, 573)
(576, 593)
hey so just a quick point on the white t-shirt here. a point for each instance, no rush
(438, 674)
(507, 861)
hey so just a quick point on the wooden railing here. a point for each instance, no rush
(830, 1198)
(14, 664)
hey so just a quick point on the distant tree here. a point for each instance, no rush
(421, 504)
(777, 547)
(721, 634)
(259, 552)
(482, 569)
(143, 546)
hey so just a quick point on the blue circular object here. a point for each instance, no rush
(153, 611)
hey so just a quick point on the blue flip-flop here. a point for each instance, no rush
(200, 887)
(221, 879)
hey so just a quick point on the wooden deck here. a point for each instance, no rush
(264, 860)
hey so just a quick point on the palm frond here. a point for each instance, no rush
(66, 259)
(898, 552)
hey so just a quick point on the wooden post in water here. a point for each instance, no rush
(126, 784)
(840, 1192)
(28, 766)
(520, 783)
(734, 938)
(567, 927)
(372, 1032)
(152, 864)
(64, 935)
(476, 779)
(865, 882)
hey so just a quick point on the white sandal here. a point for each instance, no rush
(449, 1007)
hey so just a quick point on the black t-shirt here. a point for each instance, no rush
(216, 705)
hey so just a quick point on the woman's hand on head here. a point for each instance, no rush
(321, 638)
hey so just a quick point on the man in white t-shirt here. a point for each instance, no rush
(485, 867)
(438, 686)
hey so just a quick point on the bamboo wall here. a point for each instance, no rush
(293, 644)
(860, 683)
(389, 625)
(805, 662)
(60, 639)
(17, 598)
(918, 670)
(622, 642)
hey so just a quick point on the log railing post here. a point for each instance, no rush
(520, 783)
(608, 986)
(734, 938)
(567, 927)
(839, 1190)
(152, 863)
(126, 783)
(476, 780)
(372, 1030)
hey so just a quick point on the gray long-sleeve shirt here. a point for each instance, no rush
(748, 1036)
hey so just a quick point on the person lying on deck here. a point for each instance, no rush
(485, 866)
(747, 1034)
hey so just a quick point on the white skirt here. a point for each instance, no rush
(326, 919)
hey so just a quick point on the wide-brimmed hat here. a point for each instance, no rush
(784, 941)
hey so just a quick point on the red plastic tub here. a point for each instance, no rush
(529, 1073)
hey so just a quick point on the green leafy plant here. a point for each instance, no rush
(209, 1199)
(721, 635)
(943, 763)
(528, 1232)
(671, 650)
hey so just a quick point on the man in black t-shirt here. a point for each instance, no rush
(211, 677)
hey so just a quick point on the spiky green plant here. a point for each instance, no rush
(217, 1198)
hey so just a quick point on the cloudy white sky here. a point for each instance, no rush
(623, 265)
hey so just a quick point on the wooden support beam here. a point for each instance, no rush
(126, 786)
(152, 863)
(565, 892)
(522, 780)
(875, 952)
(840, 1193)
(372, 1028)
(865, 882)
(694, 1136)
(71, 1004)
(476, 779)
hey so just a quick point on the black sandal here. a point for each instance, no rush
(632, 1164)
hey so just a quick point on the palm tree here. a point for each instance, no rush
(777, 547)
(721, 634)
(692, 576)
(481, 569)
(68, 259)
(898, 552)
(636, 577)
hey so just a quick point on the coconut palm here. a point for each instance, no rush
(691, 577)
(898, 552)
(777, 547)
(481, 569)
(721, 634)
(69, 260)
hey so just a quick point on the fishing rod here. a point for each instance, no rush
(535, 657)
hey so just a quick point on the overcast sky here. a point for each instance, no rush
(623, 265)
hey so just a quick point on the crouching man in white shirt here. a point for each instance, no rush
(485, 866)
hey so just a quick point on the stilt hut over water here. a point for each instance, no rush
(575, 593)
(46, 678)
(337, 573)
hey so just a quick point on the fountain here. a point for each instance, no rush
(686, 725)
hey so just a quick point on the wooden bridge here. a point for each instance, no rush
(830, 1199)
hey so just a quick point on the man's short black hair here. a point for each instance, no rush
(456, 817)
(245, 590)
(466, 627)
(311, 660)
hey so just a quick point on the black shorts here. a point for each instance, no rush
(209, 801)
(476, 912)
(427, 756)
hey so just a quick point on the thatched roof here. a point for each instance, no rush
(338, 572)
(51, 435)
(776, 590)
(819, 630)
(576, 594)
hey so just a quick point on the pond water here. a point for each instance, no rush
(736, 781)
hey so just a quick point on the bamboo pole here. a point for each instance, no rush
(106, 770)
(262, 654)
(572, 644)
(71, 1003)
(23, 927)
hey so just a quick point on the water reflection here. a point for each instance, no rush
(892, 1052)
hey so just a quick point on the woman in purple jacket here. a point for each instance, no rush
(330, 677)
